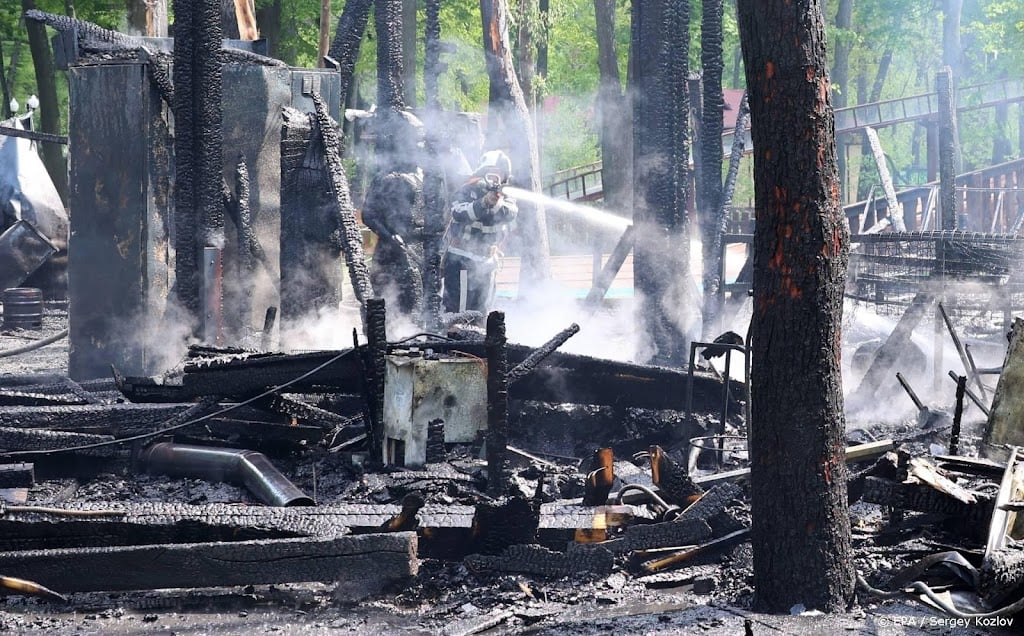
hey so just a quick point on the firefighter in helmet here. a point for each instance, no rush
(482, 217)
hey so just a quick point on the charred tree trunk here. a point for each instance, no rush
(613, 114)
(387, 18)
(199, 213)
(710, 207)
(49, 106)
(801, 530)
(409, 51)
(345, 47)
(661, 258)
(432, 67)
(510, 127)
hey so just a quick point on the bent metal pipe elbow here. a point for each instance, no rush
(243, 467)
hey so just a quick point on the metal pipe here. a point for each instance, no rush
(243, 467)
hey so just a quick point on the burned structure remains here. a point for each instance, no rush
(205, 437)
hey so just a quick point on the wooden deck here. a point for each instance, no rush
(576, 273)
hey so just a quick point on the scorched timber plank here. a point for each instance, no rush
(90, 417)
(367, 557)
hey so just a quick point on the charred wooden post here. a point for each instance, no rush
(497, 403)
(660, 38)
(531, 362)
(311, 247)
(709, 181)
(949, 149)
(435, 203)
(435, 441)
(199, 218)
(266, 337)
(350, 238)
(498, 525)
(958, 413)
(375, 360)
(611, 268)
(432, 67)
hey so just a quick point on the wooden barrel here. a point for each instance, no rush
(23, 308)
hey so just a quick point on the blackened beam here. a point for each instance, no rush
(565, 378)
(369, 557)
(21, 439)
(540, 561)
(531, 362)
(18, 475)
(29, 398)
(352, 239)
(33, 135)
(323, 521)
(126, 420)
(924, 498)
(892, 349)
(610, 270)
(694, 525)
(306, 412)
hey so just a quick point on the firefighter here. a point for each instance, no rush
(482, 217)
(393, 209)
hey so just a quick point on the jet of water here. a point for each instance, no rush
(593, 216)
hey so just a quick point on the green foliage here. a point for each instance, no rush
(568, 136)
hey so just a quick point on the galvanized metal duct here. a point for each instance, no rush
(243, 467)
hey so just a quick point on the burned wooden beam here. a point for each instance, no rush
(41, 441)
(892, 348)
(350, 239)
(531, 362)
(374, 366)
(541, 561)
(17, 475)
(368, 558)
(924, 498)
(610, 270)
(92, 418)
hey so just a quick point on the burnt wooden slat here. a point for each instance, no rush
(369, 558)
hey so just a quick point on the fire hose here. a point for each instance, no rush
(33, 346)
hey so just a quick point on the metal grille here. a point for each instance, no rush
(979, 277)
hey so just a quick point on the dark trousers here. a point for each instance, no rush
(468, 285)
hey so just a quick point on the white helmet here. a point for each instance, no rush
(495, 161)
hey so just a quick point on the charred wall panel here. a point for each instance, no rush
(120, 176)
(118, 250)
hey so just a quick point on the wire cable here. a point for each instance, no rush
(162, 431)
(34, 345)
